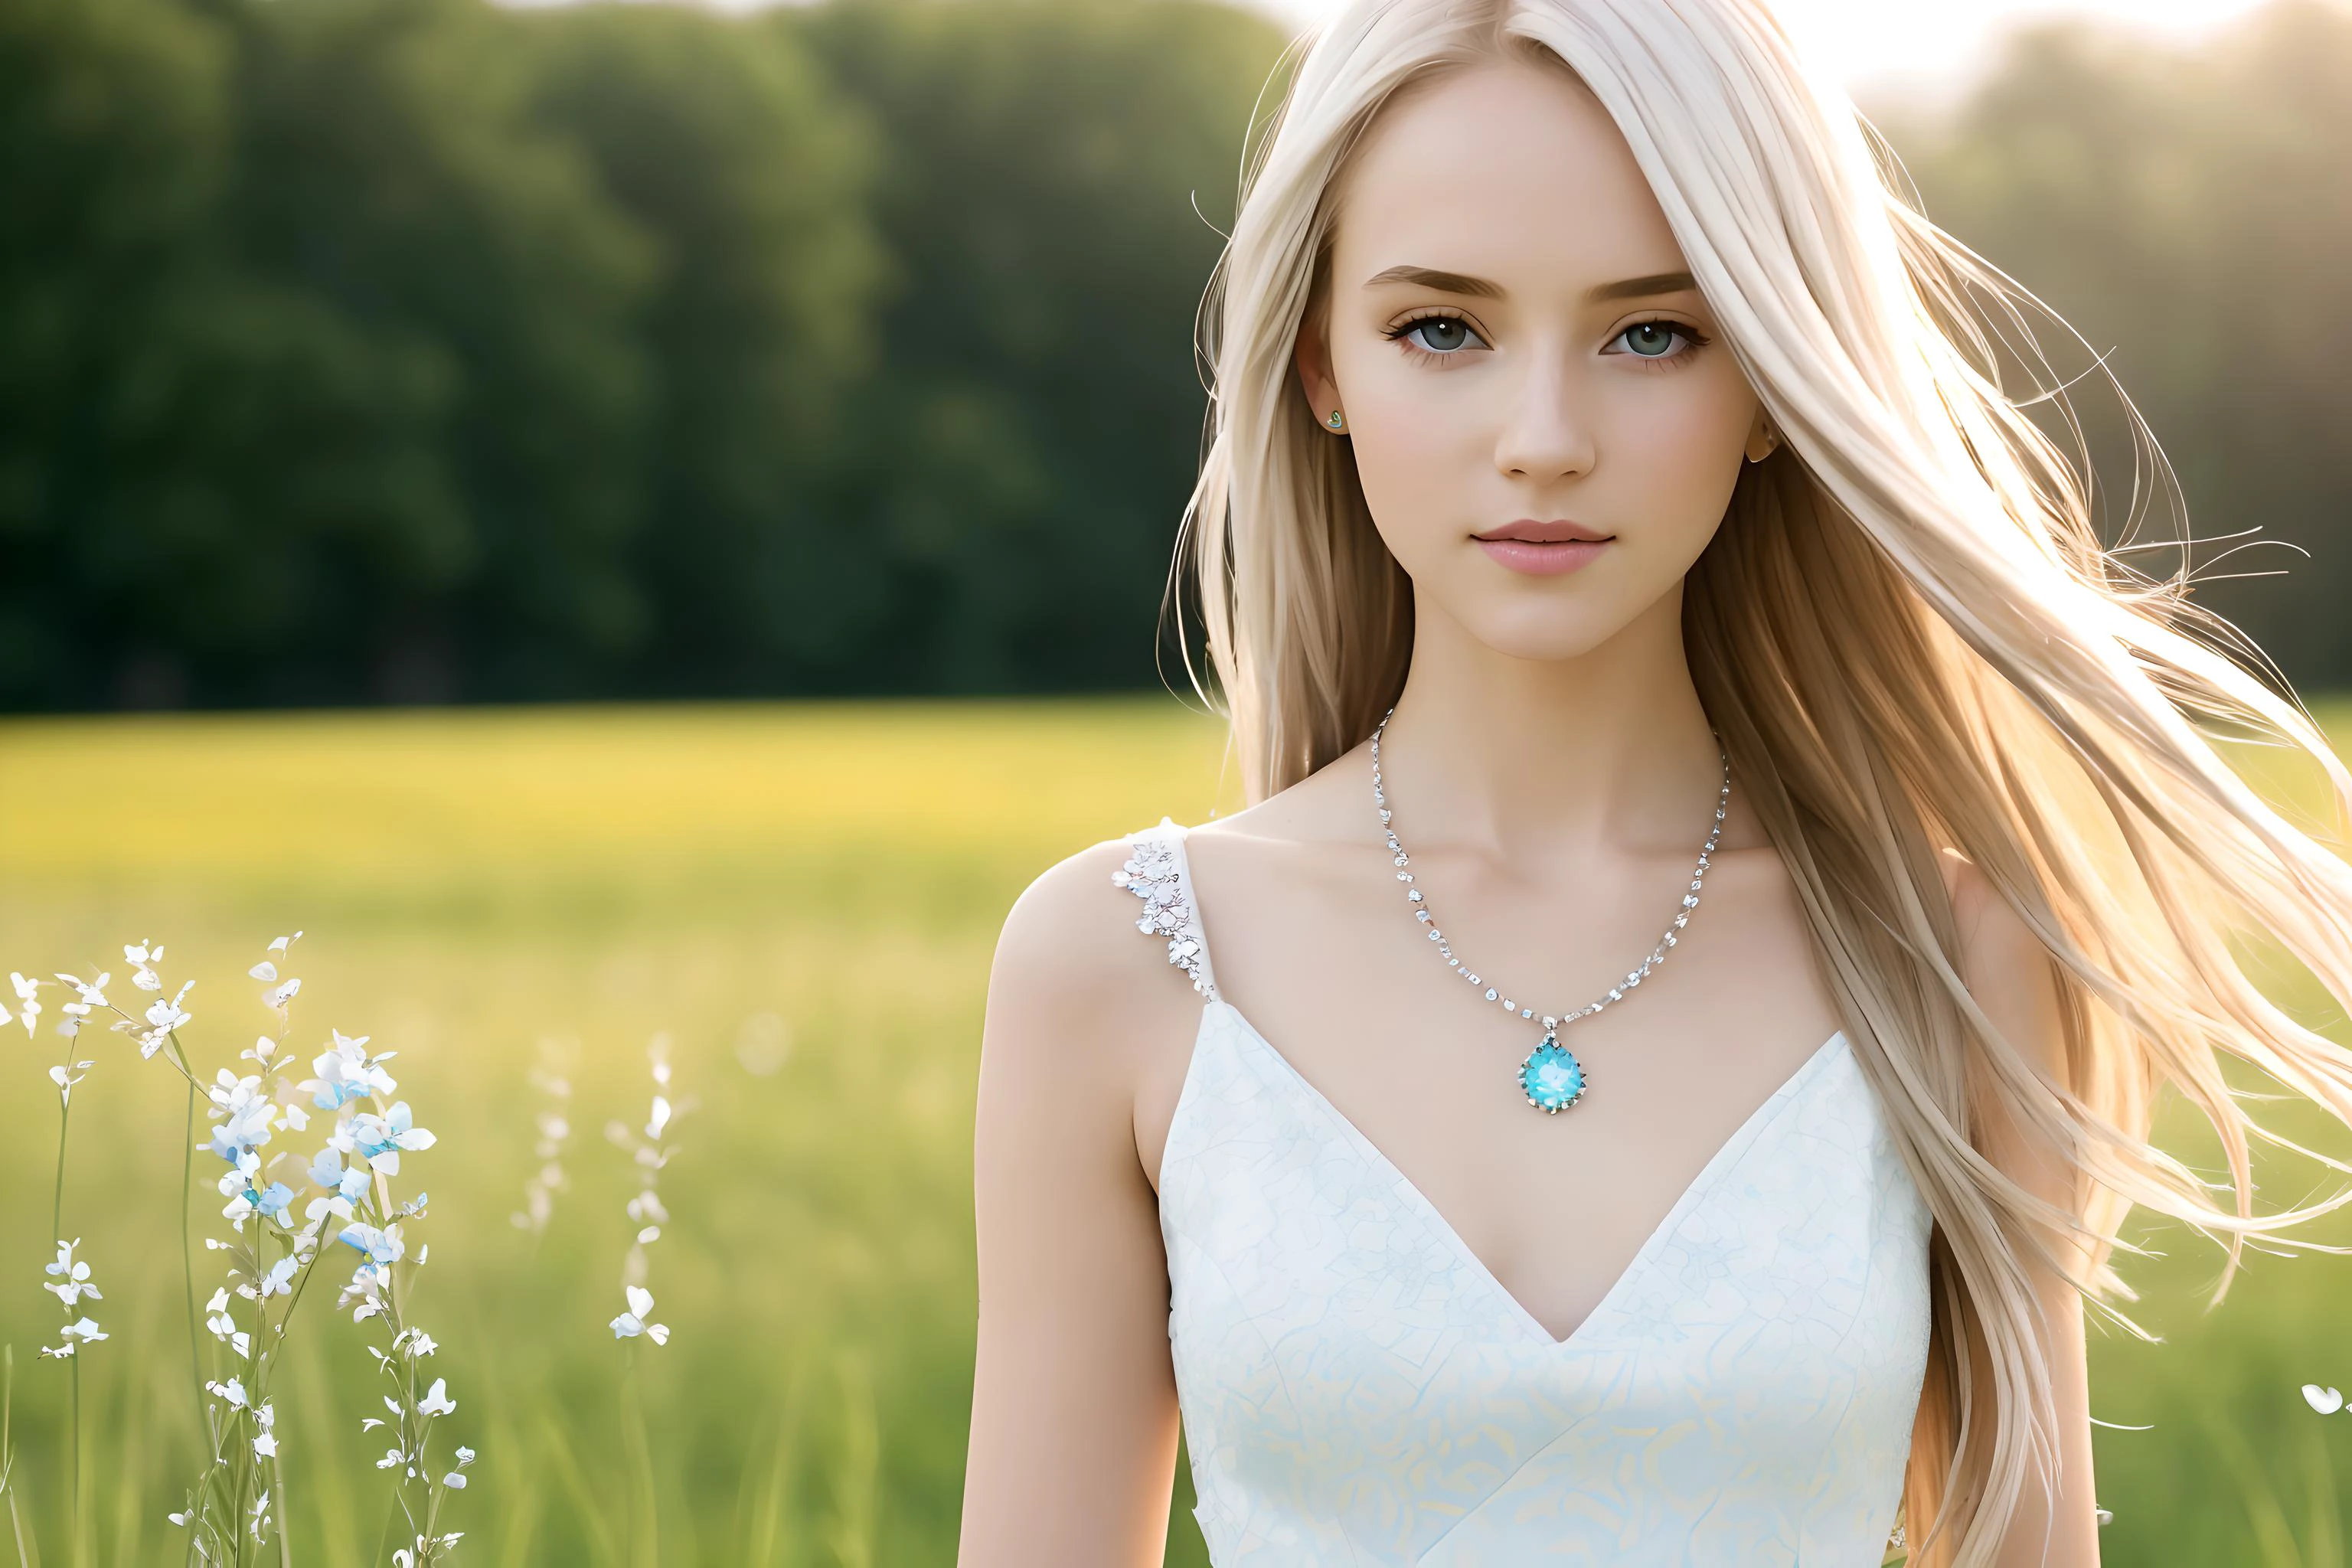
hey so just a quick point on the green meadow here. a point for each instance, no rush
(803, 900)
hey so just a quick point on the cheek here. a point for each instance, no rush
(1423, 441)
(1681, 444)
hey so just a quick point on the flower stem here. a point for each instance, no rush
(57, 1239)
(74, 1437)
(187, 1259)
(57, 1188)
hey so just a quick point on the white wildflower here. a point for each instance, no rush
(631, 1324)
(142, 959)
(347, 1072)
(163, 1018)
(279, 1280)
(73, 1283)
(245, 1113)
(89, 993)
(28, 999)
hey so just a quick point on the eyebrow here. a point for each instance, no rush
(1479, 288)
(1642, 288)
(1443, 282)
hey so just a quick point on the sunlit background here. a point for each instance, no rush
(1876, 45)
(625, 522)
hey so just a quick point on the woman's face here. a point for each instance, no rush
(1546, 427)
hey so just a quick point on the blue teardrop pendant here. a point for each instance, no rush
(1551, 1077)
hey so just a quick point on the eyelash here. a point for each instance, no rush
(1400, 335)
(1693, 339)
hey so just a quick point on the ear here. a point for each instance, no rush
(1313, 358)
(1763, 441)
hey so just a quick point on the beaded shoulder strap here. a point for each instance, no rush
(1156, 873)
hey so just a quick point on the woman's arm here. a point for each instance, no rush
(2008, 972)
(1074, 1399)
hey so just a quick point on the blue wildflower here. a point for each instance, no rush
(382, 1247)
(379, 1140)
(270, 1203)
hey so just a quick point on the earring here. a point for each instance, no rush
(1335, 422)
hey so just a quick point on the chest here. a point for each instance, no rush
(1554, 1207)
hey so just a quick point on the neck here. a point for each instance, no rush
(1518, 755)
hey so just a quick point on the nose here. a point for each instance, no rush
(1545, 435)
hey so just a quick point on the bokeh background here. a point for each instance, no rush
(627, 518)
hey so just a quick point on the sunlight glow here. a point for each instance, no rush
(1874, 41)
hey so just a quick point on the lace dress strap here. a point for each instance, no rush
(1156, 873)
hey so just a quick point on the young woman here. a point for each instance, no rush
(1731, 863)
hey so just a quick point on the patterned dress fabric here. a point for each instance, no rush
(1358, 1388)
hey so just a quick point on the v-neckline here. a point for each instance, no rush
(1726, 1156)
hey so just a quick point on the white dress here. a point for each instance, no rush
(1358, 1388)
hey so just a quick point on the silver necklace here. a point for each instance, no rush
(1552, 1078)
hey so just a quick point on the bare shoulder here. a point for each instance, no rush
(2014, 980)
(1070, 941)
(2004, 964)
(1075, 989)
(1986, 922)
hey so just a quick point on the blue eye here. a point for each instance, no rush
(1656, 339)
(1439, 334)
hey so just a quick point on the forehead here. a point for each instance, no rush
(1510, 171)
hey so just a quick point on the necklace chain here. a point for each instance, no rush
(1551, 1022)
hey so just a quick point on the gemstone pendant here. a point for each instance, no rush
(1551, 1077)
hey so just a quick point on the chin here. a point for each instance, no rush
(1543, 633)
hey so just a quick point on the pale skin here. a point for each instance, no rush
(1553, 773)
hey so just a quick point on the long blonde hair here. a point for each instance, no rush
(1906, 631)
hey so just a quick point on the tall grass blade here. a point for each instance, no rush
(523, 1486)
(850, 1531)
(585, 1505)
(327, 1485)
(645, 1509)
(762, 1511)
(27, 1556)
(2273, 1536)
(2327, 1521)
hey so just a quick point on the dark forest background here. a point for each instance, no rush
(358, 350)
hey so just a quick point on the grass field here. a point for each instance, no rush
(805, 898)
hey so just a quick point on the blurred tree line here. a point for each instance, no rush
(425, 350)
(419, 350)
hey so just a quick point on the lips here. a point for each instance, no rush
(1539, 549)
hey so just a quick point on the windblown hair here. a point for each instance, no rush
(1909, 637)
